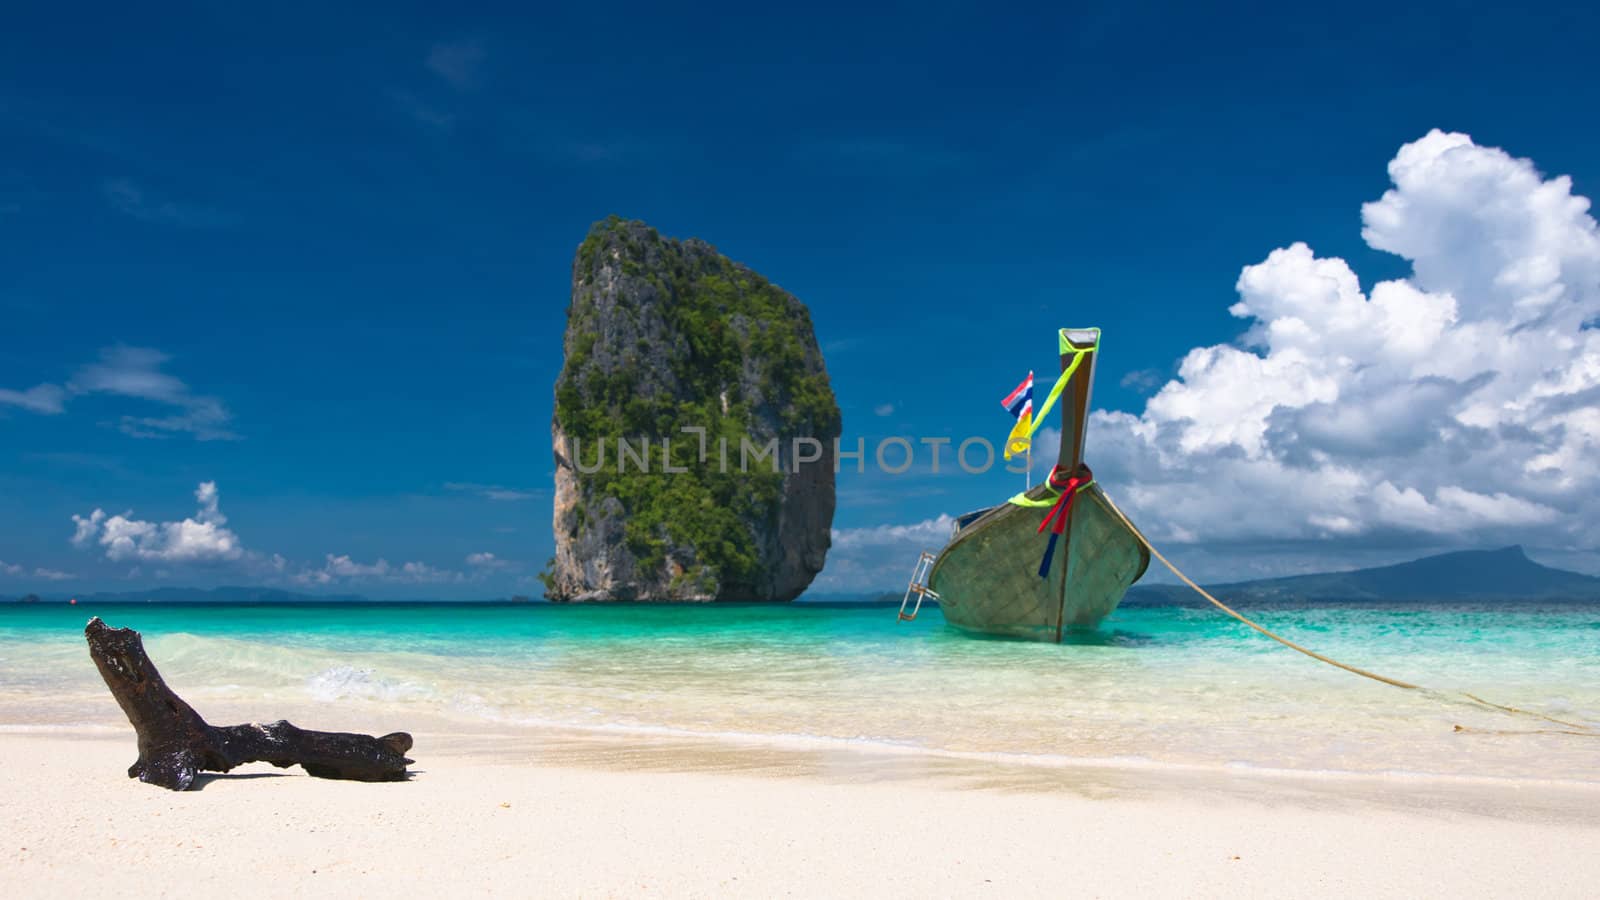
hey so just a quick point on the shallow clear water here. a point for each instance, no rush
(1163, 685)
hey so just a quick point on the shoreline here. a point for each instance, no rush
(837, 761)
(646, 818)
(520, 742)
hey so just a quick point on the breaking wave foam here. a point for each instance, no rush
(345, 682)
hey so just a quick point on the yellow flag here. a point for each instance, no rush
(1018, 440)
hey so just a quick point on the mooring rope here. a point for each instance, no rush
(1452, 696)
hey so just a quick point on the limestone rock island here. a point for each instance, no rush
(664, 335)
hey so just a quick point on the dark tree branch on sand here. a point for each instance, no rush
(175, 743)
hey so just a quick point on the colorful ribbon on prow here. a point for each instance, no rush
(1056, 518)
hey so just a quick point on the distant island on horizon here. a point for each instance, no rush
(1467, 575)
(1484, 575)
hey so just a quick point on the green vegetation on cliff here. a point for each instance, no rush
(664, 334)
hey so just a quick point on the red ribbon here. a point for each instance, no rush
(1058, 513)
(1056, 519)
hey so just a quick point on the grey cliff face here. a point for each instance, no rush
(663, 334)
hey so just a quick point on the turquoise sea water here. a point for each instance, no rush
(1152, 686)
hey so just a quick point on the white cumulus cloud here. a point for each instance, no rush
(935, 531)
(489, 562)
(200, 538)
(204, 538)
(340, 568)
(17, 570)
(879, 556)
(1460, 404)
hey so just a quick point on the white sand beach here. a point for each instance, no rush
(580, 819)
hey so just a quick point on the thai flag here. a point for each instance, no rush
(1020, 404)
(1020, 401)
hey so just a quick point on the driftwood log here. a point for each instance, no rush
(175, 743)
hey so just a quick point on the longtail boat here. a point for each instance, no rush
(1051, 559)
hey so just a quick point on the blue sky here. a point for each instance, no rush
(320, 258)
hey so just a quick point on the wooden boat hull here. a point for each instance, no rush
(987, 578)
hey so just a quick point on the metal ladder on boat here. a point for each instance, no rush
(918, 587)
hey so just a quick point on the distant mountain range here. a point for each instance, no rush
(1504, 574)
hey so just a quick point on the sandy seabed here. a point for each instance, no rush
(579, 816)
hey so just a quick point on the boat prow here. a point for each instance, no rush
(987, 578)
